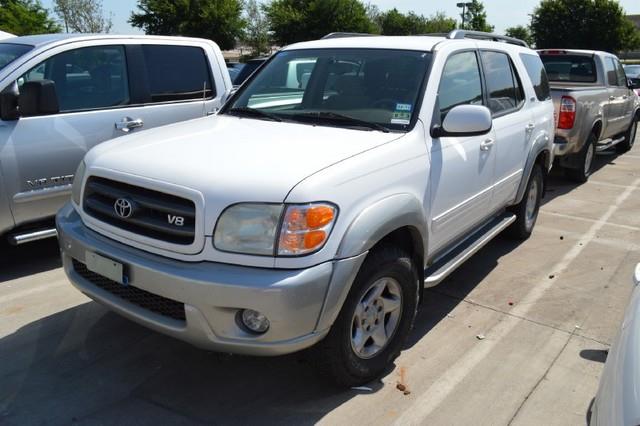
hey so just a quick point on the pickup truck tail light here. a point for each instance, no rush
(567, 112)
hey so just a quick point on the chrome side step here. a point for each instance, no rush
(608, 143)
(467, 248)
(28, 237)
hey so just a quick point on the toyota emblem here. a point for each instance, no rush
(123, 208)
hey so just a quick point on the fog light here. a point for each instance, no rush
(254, 321)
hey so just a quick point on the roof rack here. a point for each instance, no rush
(345, 35)
(461, 34)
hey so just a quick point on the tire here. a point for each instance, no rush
(585, 161)
(349, 354)
(527, 210)
(629, 137)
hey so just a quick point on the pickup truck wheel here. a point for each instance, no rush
(585, 163)
(374, 322)
(527, 210)
(629, 137)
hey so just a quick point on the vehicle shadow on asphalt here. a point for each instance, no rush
(28, 259)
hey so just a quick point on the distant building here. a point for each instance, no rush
(635, 54)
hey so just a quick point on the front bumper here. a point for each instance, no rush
(212, 293)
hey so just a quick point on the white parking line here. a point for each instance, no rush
(432, 397)
(611, 185)
(585, 219)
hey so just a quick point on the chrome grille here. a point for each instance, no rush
(153, 214)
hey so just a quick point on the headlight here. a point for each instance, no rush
(252, 228)
(305, 228)
(76, 191)
(248, 228)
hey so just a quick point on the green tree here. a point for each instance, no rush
(394, 22)
(298, 20)
(521, 32)
(256, 33)
(24, 17)
(585, 24)
(475, 18)
(83, 16)
(439, 23)
(218, 20)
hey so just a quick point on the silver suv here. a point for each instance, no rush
(341, 179)
(60, 95)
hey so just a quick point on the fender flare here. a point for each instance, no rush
(365, 231)
(540, 145)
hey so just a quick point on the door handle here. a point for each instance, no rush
(486, 144)
(612, 98)
(128, 123)
(625, 97)
(530, 127)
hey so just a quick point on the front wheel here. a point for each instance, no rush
(374, 322)
(527, 210)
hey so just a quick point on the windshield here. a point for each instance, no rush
(10, 52)
(374, 89)
(571, 68)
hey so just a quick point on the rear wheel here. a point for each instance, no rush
(374, 322)
(629, 137)
(585, 161)
(527, 210)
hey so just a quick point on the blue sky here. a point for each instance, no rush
(501, 13)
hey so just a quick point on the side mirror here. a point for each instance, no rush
(38, 97)
(9, 103)
(634, 83)
(464, 120)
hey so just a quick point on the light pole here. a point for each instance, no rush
(464, 5)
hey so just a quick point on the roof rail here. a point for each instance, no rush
(461, 34)
(345, 35)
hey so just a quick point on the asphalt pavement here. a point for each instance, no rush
(518, 335)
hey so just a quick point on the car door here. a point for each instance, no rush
(627, 95)
(462, 168)
(618, 95)
(511, 124)
(103, 92)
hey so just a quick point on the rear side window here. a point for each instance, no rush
(460, 83)
(570, 68)
(503, 85)
(537, 74)
(622, 77)
(177, 73)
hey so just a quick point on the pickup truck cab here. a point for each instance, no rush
(316, 205)
(596, 107)
(60, 95)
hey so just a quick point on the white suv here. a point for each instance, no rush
(313, 210)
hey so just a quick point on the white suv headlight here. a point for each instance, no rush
(76, 191)
(248, 228)
(254, 228)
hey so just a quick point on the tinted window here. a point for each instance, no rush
(87, 78)
(11, 52)
(622, 77)
(610, 71)
(537, 74)
(505, 92)
(177, 73)
(337, 87)
(460, 82)
(572, 68)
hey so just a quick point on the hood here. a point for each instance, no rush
(256, 160)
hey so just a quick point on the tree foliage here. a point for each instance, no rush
(394, 22)
(83, 16)
(475, 18)
(521, 32)
(298, 20)
(256, 33)
(218, 20)
(586, 24)
(24, 17)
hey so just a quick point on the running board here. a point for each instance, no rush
(467, 248)
(27, 237)
(608, 143)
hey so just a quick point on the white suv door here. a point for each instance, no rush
(103, 92)
(462, 168)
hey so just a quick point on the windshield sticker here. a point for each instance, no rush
(402, 114)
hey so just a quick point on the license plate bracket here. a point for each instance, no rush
(106, 267)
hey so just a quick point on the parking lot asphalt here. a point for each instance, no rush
(518, 335)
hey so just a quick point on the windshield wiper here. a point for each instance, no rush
(339, 118)
(246, 111)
